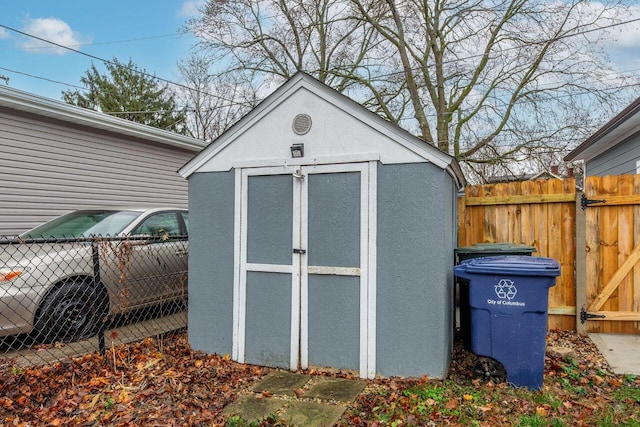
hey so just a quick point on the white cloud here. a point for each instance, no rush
(190, 8)
(621, 28)
(51, 29)
(628, 35)
(4, 34)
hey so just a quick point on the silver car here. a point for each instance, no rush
(48, 286)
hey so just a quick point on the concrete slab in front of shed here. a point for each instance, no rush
(338, 389)
(251, 408)
(281, 383)
(312, 414)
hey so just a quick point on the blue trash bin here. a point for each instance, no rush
(508, 300)
(479, 250)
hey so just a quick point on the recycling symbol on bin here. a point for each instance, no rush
(506, 289)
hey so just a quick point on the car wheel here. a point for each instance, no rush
(69, 313)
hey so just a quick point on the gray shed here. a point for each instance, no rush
(322, 235)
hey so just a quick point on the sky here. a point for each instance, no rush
(145, 31)
(149, 33)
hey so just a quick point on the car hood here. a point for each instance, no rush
(34, 254)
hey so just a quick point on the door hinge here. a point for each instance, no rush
(299, 251)
(584, 316)
(584, 201)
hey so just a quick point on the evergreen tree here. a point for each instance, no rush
(129, 93)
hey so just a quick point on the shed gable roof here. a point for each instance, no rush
(615, 131)
(17, 100)
(339, 126)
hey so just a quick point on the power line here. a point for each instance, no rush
(568, 35)
(105, 43)
(131, 40)
(550, 97)
(480, 55)
(232, 102)
(39, 77)
(106, 61)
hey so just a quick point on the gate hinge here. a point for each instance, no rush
(584, 316)
(584, 201)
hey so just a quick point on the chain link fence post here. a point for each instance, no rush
(95, 257)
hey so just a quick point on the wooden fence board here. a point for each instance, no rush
(569, 246)
(609, 244)
(501, 233)
(625, 247)
(527, 221)
(556, 242)
(636, 269)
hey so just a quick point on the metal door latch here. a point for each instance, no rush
(299, 251)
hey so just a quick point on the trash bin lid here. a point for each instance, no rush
(517, 265)
(496, 248)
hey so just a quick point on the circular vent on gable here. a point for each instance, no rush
(301, 124)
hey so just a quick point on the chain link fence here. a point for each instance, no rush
(61, 298)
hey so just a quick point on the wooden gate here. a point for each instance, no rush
(612, 276)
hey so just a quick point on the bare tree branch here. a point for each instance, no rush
(491, 82)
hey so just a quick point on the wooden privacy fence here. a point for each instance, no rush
(595, 237)
(538, 213)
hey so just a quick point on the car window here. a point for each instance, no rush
(185, 217)
(84, 223)
(163, 225)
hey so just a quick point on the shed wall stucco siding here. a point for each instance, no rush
(50, 167)
(415, 270)
(618, 160)
(211, 215)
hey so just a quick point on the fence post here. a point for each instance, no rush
(580, 263)
(95, 256)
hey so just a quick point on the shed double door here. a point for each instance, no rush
(302, 294)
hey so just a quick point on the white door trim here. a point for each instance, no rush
(371, 263)
(299, 267)
(304, 268)
(240, 258)
(298, 263)
(237, 350)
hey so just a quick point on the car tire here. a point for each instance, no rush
(69, 313)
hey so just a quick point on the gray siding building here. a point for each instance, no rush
(615, 148)
(57, 157)
(323, 235)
